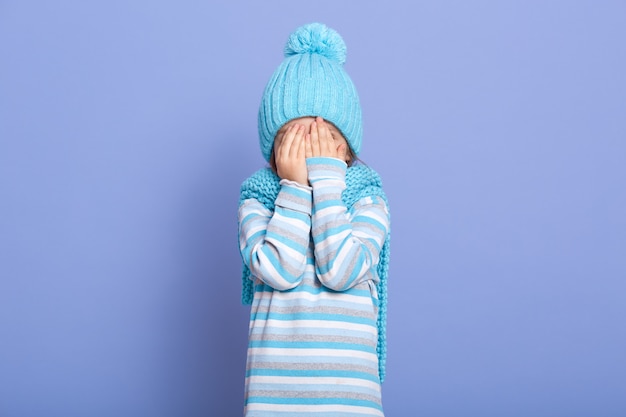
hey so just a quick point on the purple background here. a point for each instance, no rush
(126, 128)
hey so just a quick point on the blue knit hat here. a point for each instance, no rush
(311, 81)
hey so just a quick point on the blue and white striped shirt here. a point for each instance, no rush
(313, 332)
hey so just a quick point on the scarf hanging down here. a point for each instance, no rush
(361, 182)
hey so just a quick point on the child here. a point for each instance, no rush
(314, 238)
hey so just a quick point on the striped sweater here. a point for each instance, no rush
(313, 322)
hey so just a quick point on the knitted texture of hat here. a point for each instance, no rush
(311, 81)
(361, 182)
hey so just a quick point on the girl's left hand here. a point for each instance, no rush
(320, 142)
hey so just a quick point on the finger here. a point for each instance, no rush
(278, 143)
(327, 145)
(297, 141)
(315, 141)
(278, 140)
(308, 152)
(326, 139)
(285, 131)
(288, 138)
(301, 147)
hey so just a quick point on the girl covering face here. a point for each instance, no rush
(314, 240)
(295, 136)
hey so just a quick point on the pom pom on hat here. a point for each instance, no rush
(317, 38)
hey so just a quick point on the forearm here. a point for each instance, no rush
(274, 245)
(347, 245)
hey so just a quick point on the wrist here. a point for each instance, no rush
(325, 167)
(304, 184)
(294, 196)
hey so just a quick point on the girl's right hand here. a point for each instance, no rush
(289, 155)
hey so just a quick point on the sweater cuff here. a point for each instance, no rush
(295, 196)
(322, 167)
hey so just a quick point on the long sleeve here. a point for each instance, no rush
(274, 244)
(347, 244)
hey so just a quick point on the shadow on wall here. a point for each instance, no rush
(211, 325)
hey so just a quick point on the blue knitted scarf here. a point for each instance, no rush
(361, 181)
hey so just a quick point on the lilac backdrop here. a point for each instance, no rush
(126, 128)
